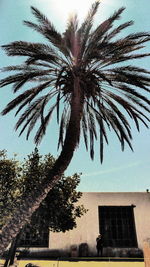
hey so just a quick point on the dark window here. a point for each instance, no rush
(117, 226)
(31, 238)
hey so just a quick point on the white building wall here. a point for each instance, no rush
(88, 225)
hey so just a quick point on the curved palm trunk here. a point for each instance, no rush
(29, 205)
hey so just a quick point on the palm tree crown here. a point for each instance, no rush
(93, 58)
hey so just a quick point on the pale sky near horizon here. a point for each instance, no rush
(120, 171)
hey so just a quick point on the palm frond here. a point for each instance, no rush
(101, 146)
(36, 91)
(42, 129)
(88, 22)
(118, 129)
(106, 25)
(117, 30)
(92, 129)
(33, 107)
(131, 109)
(97, 35)
(21, 78)
(35, 52)
(130, 68)
(63, 126)
(28, 120)
(85, 129)
(86, 26)
(129, 90)
(42, 18)
(71, 38)
(47, 29)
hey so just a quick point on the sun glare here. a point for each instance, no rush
(61, 10)
(67, 7)
(64, 8)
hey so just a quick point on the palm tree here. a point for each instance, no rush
(81, 69)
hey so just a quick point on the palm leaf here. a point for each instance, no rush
(117, 30)
(86, 26)
(85, 129)
(41, 131)
(63, 125)
(34, 93)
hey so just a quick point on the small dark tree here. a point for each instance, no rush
(9, 178)
(63, 196)
(59, 210)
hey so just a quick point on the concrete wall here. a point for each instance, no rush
(88, 225)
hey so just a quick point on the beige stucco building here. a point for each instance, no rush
(122, 218)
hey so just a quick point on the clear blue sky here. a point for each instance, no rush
(121, 171)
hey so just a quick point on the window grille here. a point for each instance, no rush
(31, 238)
(117, 226)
